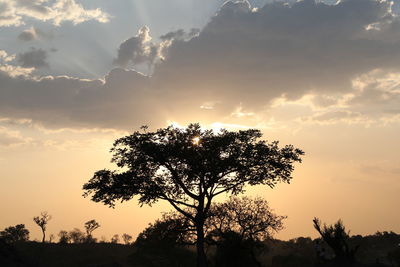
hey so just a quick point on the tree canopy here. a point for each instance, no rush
(14, 234)
(189, 167)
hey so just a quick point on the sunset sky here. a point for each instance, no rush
(321, 75)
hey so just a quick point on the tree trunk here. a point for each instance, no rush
(201, 255)
(44, 236)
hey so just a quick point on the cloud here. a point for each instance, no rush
(180, 35)
(11, 138)
(337, 116)
(13, 12)
(279, 50)
(33, 33)
(11, 70)
(35, 58)
(123, 100)
(137, 49)
(234, 68)
(4, 57)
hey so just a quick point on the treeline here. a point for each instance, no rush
(19, 233)
(238, 232)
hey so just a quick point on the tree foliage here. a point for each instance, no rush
(163, 242)
(14, 234)
(236, 227)
(115, 239)
(76, 236)
(126, 238)
(250, 218)
(337, 239)
(64, 237)
(189, 168)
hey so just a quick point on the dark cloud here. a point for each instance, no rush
(35, 58)
(122, 100)
(180, 35)
(136, 50)
(253, 56)
(34, 33)
(27, 35)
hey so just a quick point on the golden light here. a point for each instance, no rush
(196, 141)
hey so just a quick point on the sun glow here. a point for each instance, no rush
(196, 141)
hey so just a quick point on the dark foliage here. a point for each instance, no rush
(160, 244)
(235, 251)
(64, 237)
(14, 234)
(9, 256)
(375, 251)
(338, 240)
(76, 236)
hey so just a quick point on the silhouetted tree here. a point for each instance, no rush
(90, 226)
(14, 234)
(337, 239)
(51, 238)
(42, 221)
(77, 236)
(115, 239)
(127, 239)
(189, 168)
(251, 218)
(64, 237)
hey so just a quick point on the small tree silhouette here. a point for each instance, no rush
(90, 226)
(64, 237)
(337, 239)
(127, 239)
(14, 234)
(115, 239)
(77, 236)
(238, 227)
(42, 221)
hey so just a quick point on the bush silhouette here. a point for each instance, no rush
(14, 234)
(337, 239)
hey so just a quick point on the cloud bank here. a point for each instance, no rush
(343, 55)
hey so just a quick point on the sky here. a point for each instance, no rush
(322, 75)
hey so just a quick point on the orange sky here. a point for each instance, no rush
(323, 76)
(347, 173)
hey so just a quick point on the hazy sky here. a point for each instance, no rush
(323, 76)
